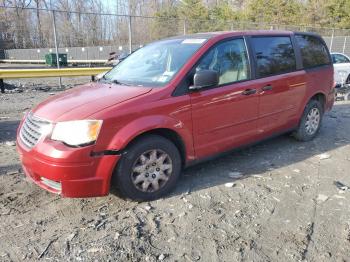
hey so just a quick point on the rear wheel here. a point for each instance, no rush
(310, 122)
(149, 169)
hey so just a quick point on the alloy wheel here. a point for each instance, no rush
(312, 121)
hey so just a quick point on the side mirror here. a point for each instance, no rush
(205, 78)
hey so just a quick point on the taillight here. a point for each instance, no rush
(334, 84)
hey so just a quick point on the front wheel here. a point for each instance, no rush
(148, 170)
(310, 122)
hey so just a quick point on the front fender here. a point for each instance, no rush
(148, 123)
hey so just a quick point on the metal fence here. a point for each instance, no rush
(29, 33)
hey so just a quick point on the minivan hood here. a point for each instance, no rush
(81, 102)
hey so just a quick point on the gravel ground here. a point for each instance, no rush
(276, 201)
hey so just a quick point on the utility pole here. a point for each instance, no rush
(55, 40)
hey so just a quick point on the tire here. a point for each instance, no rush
(140, 166)
(305, 132)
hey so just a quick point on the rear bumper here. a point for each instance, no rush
(330, 99)
(70, 172)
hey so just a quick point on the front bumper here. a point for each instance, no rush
(70, 172)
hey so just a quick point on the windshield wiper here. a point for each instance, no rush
(104, 79)
(120, 83)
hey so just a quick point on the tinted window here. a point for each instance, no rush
(313, 51)
(339, 59)
(274, 55)
(229, 59)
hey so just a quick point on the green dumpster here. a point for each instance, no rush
(51, 60)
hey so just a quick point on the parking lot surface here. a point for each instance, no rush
(280, 200)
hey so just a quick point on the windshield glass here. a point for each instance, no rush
(155, 64)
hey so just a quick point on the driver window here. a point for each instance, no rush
(229, 59)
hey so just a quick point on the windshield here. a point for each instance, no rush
(155, 64)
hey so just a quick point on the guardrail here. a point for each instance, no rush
(35, 73)
(42, 61)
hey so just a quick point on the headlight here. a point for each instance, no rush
(77, 133)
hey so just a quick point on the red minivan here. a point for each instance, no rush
(172, 103)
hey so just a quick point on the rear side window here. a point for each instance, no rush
(313, 51)
(274, 55)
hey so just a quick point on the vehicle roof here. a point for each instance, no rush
(208, 35)
(224, 34)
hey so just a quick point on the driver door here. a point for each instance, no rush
(225, 116)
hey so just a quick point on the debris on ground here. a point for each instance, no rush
(340, 185)
(148, 207)
(116, 235)
(47, 248)
(10, 143)
(94, 250)
(161, 257)
(287, 195)
(324, 156)
(322, 198)
(235, 174)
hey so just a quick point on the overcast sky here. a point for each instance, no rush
(109, 3)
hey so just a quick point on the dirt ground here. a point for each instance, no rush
(276, 201)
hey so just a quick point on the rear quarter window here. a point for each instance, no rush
(313, 51)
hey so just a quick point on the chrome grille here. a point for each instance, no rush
(32, 130)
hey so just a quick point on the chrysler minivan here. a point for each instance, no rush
(173, 103)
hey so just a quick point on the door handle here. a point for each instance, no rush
(267, 88)
(248, 92)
